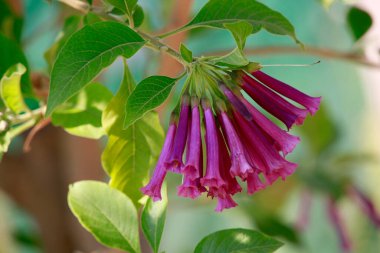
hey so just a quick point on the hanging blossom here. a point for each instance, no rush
(216, 136)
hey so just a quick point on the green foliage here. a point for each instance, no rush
(234, 59)
(81, 115)
(70, 26)
(149, 94)
(126, 6)
(10, 89)
(129, 153)
(11, 54)
(240, 31)
(138, 16)
(153, 220)
(217, 13)
(10, 23)
(359, 21)
(85, 54)
(106, 213)
(237, 240)
(186, 54)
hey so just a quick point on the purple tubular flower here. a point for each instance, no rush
(153, 188)
(337, 223)
(174, 163)
(212, 179)
(254, 183)
(194, 150)
(274, 103)
(235, 101)
(240, 166)
(225, 203)
(190, 188)
(281, 139)
(261, 151)
(366, 205)
(232, 185)
(311, 103)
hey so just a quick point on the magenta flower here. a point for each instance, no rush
(175, 163)
(310, 103)
(240, 141)
(212, 178)
(153, 188)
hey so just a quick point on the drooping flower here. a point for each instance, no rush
(153, 188)
(239, 141)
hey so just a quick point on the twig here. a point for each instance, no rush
(38, 127)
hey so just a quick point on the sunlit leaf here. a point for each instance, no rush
(10, 89)
(234, 59)
(127, 6)
(11, 54)
(237, 240)
(106, 213)
(129, 153)
(153, 220)
(81, 115)
(85, 54)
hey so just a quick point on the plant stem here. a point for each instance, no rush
(157, 44)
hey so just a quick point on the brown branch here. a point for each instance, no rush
(322, 52)
(38, 127)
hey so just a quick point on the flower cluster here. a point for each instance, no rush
(219, 139)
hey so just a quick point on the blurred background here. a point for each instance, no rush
(327, 206)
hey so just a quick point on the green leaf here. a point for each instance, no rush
(235, 59)
(127, 6)
(149, 93)
(114, 114)
(106, 213)
(10, 89)
(237, 240)
(85, 54)
(70, 26)
(153, 220)
(129, 153)
(138, 16)
(186, 54)
(11, 54)
(81, 115)
(217, 13)
(359, 21)
(91, 18)
(240, 30)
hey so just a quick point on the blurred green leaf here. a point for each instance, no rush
(10, 23)
(359, 21)
(129, 153)
(10, 89)
(81, 115)
(106, 213)
(237, 240)
(11, 54)
(240, 31)
(186, 54)
(217, 13)
(70, 26)
(91, 18)
(85, 54)
(153, 220)
(138, 16)
(273, 226)
(149, 93)
(320, 131)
